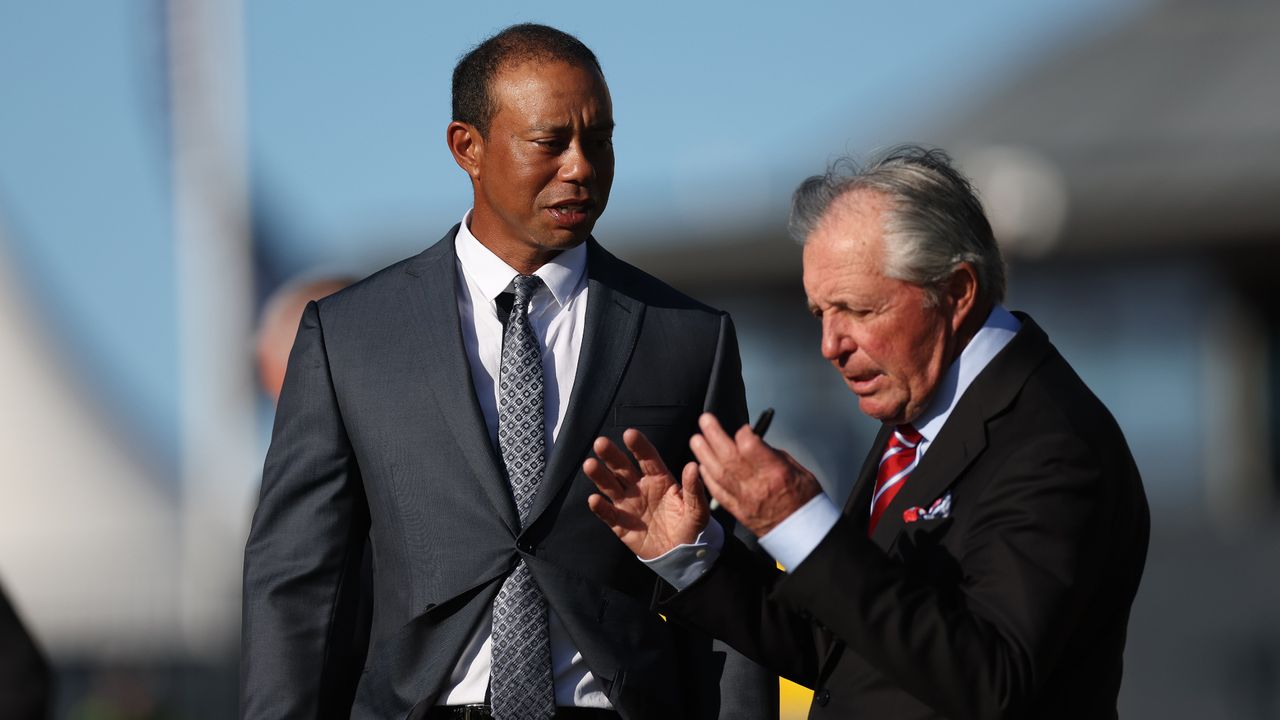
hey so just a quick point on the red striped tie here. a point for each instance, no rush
(896, 464)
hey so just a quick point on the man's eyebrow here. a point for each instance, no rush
(562, 127)
(545, 128)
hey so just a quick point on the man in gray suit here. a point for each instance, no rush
(439, 412)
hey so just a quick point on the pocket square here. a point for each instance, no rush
(940, 508)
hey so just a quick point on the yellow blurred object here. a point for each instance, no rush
(793, 700)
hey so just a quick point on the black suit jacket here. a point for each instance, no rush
(1013, 606)
(379, 436)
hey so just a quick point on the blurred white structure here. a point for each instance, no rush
(105, 556)
(87, 533)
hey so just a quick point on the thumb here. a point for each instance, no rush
(695, 497)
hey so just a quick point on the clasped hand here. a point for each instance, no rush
(651, 513)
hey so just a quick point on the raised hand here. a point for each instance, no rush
(757, 484)
(644, 505)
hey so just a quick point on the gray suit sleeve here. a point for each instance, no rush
(747, 690)
(302, 559)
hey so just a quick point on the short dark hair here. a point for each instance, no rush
(934, 222)
(473, 75)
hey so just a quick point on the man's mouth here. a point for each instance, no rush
(862, 383)
(570, 215)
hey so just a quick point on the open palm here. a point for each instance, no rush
(641, 501)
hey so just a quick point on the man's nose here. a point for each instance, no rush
(577, 166)
(835, 342)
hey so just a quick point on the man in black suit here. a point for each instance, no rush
(439, 411)
(986, 562)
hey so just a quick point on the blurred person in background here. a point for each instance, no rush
(440, 411)
(26, 685)
(987, 559)
(278, 326)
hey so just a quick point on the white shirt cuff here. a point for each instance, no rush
(791, 541)
(683, 564)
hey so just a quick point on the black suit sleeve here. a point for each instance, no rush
(1034, 557)
(303, 556)
(733, 601)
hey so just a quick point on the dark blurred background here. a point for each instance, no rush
(167, 168)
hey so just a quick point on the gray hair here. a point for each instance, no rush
(934, 221)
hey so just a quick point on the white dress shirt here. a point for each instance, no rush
(557, 313)
(791, 541)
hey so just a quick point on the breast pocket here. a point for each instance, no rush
(642, 416)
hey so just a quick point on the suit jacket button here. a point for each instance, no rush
(822, 697)
(525, 547)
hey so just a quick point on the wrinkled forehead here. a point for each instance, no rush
(850, 232)
(836, 268)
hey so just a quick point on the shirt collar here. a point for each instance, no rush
(561, 274)
(995, 333)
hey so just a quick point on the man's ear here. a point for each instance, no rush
(467, 145)
(961, 294)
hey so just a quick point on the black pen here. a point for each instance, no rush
(762, 423)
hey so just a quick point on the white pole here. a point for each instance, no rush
(215, 314)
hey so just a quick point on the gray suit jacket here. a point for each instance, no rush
(379, 439)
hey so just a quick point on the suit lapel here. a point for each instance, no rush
(964, 435)
(612, 326)
(434, 307)
(957, 444)
(858, 506)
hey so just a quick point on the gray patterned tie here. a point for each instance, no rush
(520, 682)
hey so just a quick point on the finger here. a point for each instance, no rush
(604, 510)
(645, 453)
(717, 490)
(617, 520)
(752, 446)
(746, 435)
(626, 525)
(718, 440)
(605, 480)
(707, 457)
(614, 458)
(691, 486)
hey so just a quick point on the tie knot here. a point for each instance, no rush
(526, 286)
(905, 436)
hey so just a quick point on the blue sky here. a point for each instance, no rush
(721, 109)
